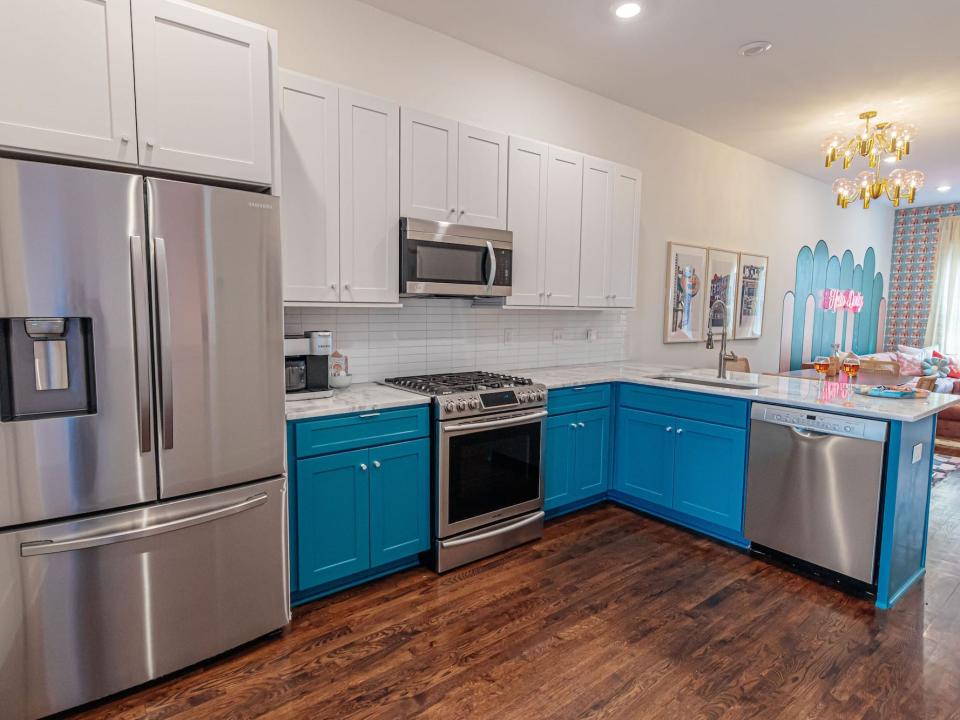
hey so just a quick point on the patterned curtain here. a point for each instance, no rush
(943, 325)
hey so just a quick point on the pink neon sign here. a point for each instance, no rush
(836, 300)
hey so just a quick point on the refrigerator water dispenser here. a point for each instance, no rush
(47, 368)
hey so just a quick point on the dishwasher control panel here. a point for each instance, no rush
(826, 423)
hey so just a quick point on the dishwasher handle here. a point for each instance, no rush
(809, 434)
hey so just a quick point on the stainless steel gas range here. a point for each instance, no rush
(488, 462)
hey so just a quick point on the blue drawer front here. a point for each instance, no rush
(581, 397)
(685, 404)
(347, 432)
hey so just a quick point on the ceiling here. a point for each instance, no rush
(678, 61)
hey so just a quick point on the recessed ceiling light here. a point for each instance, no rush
(626, 10)
(943, 188)
(757, 47)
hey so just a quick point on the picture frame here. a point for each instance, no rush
(751, 296)
(684, 293)
(722, 284)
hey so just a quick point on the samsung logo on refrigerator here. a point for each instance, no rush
(260, 205)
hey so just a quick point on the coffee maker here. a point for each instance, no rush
(308, 365)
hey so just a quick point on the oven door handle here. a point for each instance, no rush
(539, 515)
(491, 266)
(515, 420)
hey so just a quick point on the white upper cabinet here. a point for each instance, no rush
(527, 218)
(203, 91)
(310, 209)
(598, 180)
(564, 195)
(483, 178)
(66, 72)
(428, 166)
(369, 198)
(625, 238)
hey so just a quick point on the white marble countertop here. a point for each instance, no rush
(795, 392)
(361, 397)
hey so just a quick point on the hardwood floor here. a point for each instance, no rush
(610, 615)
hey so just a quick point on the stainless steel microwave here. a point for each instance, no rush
(440, 258)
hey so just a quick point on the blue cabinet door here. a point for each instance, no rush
(333, 517)
(559, 452)
(590, 464)
(399, 501)
(709, 476)
(644, 460)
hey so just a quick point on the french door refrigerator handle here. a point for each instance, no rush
(166, 361)
(141, 330)
(47, 547)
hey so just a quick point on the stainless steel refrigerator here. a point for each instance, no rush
(142, 497)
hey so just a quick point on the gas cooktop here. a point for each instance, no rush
(473, 393)
(450, 383)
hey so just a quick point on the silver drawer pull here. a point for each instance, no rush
(369, 415)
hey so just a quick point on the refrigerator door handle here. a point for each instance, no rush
(166, 361)
(141, 332)
(47, 547)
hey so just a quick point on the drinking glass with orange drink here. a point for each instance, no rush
(822, 365)
(851, 366)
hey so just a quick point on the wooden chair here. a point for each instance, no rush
(741, 364)
(880, 367)
(927, 382)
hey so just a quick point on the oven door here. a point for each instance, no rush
(489, 469)
(455, 266)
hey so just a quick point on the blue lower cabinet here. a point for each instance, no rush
(709, 472)
(558, 461)
(591, 461)
(645, 453)
(399, 501)
(333, 517)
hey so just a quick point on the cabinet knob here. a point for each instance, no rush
(580, 424)
(376, 463)
(452, 210)
(573, 425)
(333, 286)
(679, 430)
(363, 467)
(346, 286)
(462, 211)
(150, 143)
(669, 428)
(124, 139)
(549, 294)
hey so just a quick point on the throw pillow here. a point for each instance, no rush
(909, 364)
(935, 366)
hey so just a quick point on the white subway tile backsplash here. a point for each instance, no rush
(449, 335)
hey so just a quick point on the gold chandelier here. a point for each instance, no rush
(890, 139)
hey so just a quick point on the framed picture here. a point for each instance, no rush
(686, 269)
(750, 295)
(722, 285)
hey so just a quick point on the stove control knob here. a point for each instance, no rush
(474, 404)
(541, 395)
(449, 407)
(522, 397)
(462, 405)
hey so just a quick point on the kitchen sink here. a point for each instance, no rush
(712, 382)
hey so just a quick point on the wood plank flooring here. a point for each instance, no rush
(610, 615)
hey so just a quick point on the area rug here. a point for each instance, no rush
(944, 467)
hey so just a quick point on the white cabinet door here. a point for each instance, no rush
(203, 91)
(66, 72)
(483, 178)
(598, 176)
(369, 198)
(310, 208)
(564, 194)
(625, 238)
(428, 166)
(527, 218)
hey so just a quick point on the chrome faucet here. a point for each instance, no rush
(724, 355)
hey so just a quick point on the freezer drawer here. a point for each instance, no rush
(98, 605)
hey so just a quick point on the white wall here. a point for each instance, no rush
(695, 190)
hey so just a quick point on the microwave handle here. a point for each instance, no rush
(491, 267)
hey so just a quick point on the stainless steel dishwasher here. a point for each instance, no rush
(814, 486)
